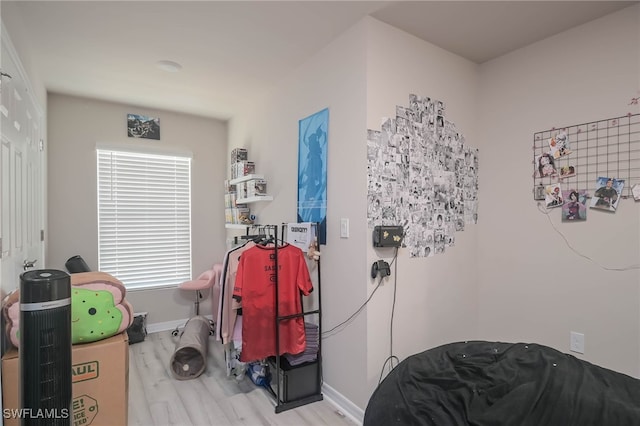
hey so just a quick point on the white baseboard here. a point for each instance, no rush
(157, 327)
(346, 407)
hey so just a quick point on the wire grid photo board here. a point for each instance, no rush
(582, 153)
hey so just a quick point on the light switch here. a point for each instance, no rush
(344, 228)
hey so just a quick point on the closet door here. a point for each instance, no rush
(21, 175)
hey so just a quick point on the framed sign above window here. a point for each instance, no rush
(141, 126)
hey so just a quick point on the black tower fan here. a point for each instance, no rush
(45, 347)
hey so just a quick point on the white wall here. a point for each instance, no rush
(396, 65)
(436, 297)
(334, 78)
(532, 287)
(13, 24)
(76, 125)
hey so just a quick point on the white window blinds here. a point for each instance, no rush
(144, 218)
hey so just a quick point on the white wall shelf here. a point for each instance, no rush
(254, 199)
(245, 179)
(236, 226)
(246, 200)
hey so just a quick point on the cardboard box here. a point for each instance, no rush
(100, 383)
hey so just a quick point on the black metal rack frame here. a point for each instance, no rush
(282, 405)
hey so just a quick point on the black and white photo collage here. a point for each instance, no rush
(423, 176)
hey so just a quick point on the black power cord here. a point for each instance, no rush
(352, 316)
(391, 356)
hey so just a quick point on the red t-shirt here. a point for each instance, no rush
(255, 284)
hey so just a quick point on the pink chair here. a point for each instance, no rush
(203, 282)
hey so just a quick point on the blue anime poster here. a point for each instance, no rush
(312, 171)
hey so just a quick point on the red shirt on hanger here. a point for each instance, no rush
(255, 284)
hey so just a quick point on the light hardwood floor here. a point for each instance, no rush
(157, 399)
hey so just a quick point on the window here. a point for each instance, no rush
(144, 218)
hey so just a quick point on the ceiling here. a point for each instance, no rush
(233, 51)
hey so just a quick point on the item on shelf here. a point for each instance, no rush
(245, 219)
(250, 188)
(240, 215)
(241, 189)
(239, 154)
(228, 215)
(242, 168)
(256, 187)
(229, 200)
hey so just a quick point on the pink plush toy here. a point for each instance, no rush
(98, 308)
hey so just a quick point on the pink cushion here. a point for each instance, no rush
(201, 283)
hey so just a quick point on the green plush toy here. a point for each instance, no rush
(94, 315)
(98, 308)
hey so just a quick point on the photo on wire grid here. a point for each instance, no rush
(553, 196)
(559, 145)
(574, 208)
(567, 171)
(607, 194)
(545, 165)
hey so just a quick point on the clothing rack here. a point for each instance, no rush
(283, 402)
(262, 232)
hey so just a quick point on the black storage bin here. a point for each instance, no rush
(76, 264)
(296, 382)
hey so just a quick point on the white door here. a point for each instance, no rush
(21, 173)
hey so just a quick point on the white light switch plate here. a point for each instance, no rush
(344, 228)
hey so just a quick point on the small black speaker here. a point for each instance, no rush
(45, 348)
(76, 264)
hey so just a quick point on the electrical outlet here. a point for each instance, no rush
(577, 342)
